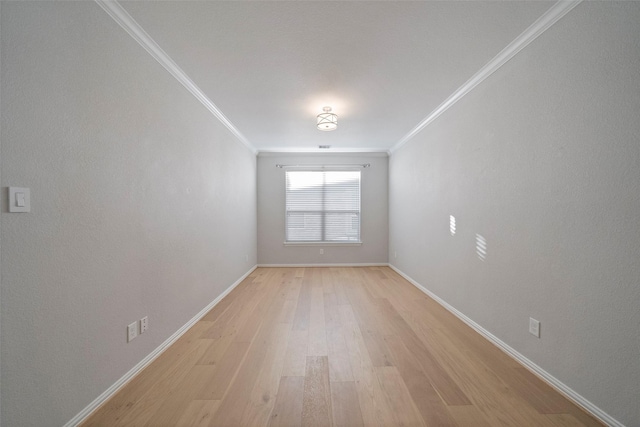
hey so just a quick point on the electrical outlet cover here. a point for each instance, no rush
(534, 327)
(132, 331)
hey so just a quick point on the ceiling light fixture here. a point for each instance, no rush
(327, 121)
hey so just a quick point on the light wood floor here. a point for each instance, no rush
(334, 346)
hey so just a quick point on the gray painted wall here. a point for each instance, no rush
(143, 204)
(1, 186)
(543, 160)
(271, 212)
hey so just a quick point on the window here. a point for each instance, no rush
(323, 206)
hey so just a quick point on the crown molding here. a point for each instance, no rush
(302, 150)
(550, 17)
(344, 154)
(126, 21)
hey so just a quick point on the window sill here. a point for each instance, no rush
(322, 244)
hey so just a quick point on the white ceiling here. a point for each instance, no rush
(383, 66)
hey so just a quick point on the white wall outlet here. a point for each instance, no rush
(395, 254)
(144, 324)
(132, 331)
(534, 327)
(321, 251)
(246, 258)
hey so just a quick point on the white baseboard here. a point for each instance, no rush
(84, 414)
(366, 264)
(535, 369)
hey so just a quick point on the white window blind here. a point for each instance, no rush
(323, 206)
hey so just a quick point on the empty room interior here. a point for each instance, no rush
(327, 213)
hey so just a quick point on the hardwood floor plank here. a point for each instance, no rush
(373, 338)
(385, 355)
(340, 277)
(378, 351)
(293, 290)
(448, 389)
(264, 393)
(223, 305)
(316, 400)
(338, 356)
(317, 344)
(288, 311)
(224, 372)
(539, 395)
(521, 382)
(249, 329)
(261, 275)
(238, 395)
(345, 405)
(327, 281)
(564, 420)
(301, 318)
(493, 398)
(290, 286)
(296, 355)
(369, 279)
(402, 407)
(288, 408)
(177, 401)
(331, 313)
(230, 321)
(374, 407)
(468, 416)
(225, 331)
(587, 420)
(431, 407)
(141, 397)
(198, 413)
(232, 298)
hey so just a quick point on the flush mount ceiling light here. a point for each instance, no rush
(327, 121)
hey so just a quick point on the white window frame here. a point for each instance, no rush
(325, 242)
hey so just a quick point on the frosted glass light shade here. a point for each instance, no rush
(327, 121)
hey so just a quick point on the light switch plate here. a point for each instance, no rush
(19, 196)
